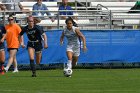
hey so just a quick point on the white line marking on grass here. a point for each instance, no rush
(59, 91)
(22, 91)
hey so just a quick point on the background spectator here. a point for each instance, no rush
(65, 6)
(14, 6)
(40, 6)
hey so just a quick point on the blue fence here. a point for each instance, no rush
(103, 46)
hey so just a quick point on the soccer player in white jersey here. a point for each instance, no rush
(73, 35)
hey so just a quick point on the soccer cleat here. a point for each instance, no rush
(2, 70)
(34, 75)
(2, 73)
(68, 76)
(15, 71)
(5, 70)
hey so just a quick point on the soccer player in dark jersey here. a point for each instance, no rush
(2, 51)
(36, 35)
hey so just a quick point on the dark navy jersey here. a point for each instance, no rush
(2, 31)
(33, 34)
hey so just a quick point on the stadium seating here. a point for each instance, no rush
(119, 12)
(131, 22)
(115, 15)
(127, 19)
(52, 6)
(30, 4)
(126, 16)
(114, 5)
(62, 22)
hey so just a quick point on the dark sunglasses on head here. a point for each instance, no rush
(10, 19)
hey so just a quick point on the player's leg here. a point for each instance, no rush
(32, 64)
(76, 53)
(15, 65)
(69, 55)
(2, 60)
(38, 52)
(12, 53)
(74, 60)
(38, 57)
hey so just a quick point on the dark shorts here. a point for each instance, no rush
(8, 49)
(36, 45)
(2, 46)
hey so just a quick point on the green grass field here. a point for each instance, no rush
(82, 81)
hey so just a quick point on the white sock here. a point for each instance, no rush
(76, 64)
(7, 68)
(15, 69)
(69, 64)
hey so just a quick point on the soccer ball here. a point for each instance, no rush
(67, 72)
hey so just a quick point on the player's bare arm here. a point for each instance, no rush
(82, 37)
(61, 38)
(45, 40)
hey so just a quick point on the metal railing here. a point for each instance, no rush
(94, 21)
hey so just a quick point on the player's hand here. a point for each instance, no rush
(45, 46)
(23, 46)
(84, 48)
(61, 43)
(1, 41)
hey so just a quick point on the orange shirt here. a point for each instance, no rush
(12, 33)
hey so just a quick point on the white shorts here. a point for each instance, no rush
(74, 49)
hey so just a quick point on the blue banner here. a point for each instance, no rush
(103, 46)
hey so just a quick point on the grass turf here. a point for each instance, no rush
(82, 81)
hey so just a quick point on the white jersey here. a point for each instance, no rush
(71, 36)
(73, 41)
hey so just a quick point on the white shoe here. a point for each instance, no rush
(5, 70)
(15, 71)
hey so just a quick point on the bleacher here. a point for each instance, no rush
(114, 5)
(52, 6)
(109, 15)
(119, 15)
(62, 22)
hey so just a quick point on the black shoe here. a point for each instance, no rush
(34, 75)
(68, 76)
